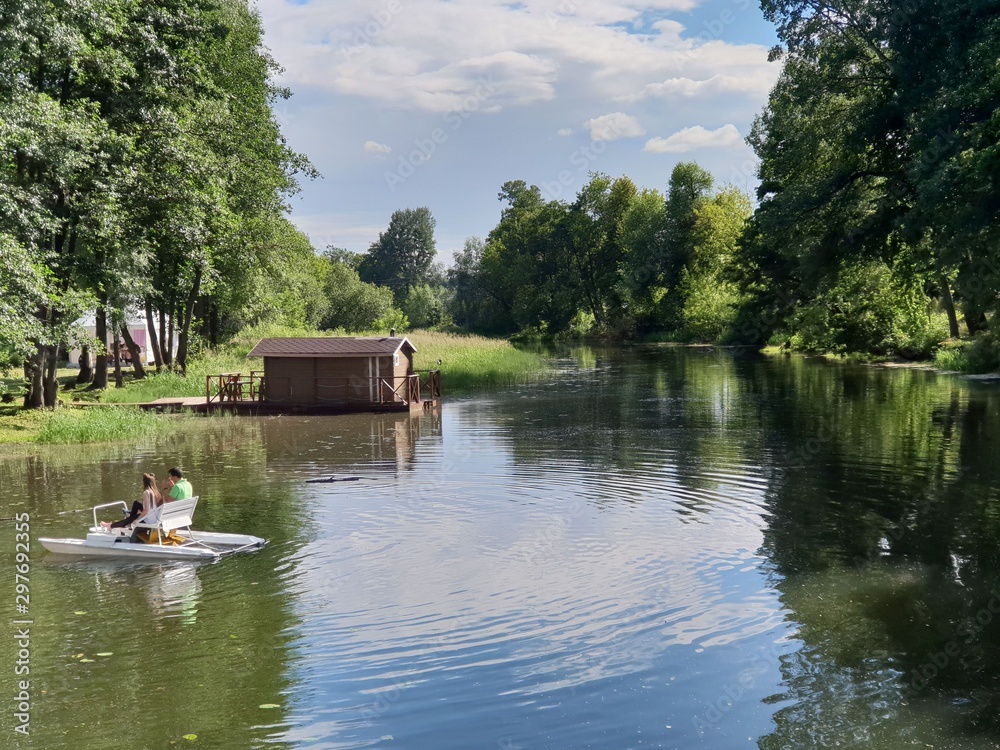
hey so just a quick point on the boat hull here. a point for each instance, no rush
(205, 545)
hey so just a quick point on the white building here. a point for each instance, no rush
(136, 328)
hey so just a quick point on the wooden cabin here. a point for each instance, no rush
(350, 373)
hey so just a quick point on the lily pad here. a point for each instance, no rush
(190, 737)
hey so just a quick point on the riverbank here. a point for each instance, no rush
(467, 363)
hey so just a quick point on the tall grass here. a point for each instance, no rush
(469, 362)
(100, 424)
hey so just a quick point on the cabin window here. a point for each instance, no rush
(395, 359)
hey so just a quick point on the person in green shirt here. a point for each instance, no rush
(176, 486)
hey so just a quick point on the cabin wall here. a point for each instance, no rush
(340, 379)
(290, 380)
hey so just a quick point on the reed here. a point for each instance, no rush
(99, 424)
(470, 362)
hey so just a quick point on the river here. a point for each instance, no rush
(654, 547)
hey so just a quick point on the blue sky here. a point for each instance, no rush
(408, 103)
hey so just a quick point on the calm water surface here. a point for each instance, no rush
(655, 548)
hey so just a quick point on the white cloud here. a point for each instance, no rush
(433, 56)
(613, 126)
(754, 83)
(692, 139)
(374, 147)
(512, 75)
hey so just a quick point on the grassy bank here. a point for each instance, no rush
(467, 363)
(72, 425)
(471, 362)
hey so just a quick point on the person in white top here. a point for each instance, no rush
(147, 509)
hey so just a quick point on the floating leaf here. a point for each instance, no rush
(105, 653)
(190, 737)
(84, 661)
(80, 612)
(270, 705)
(77, 656)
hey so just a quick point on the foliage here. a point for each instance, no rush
(864, 308)
(877, 144)
(352, 304)
(976, 356)
(142, 166)
(403, 255)
(424, 306)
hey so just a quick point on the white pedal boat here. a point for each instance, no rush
(174, 521)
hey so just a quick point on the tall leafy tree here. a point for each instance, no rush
(403, 255)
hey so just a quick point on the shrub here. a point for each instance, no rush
(865, 307)
(980, 355)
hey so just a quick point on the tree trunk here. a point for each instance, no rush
(50, 381)
(138, 371)
(949, 307)
(182, 344)
(166, 339)
(33, 377)
(86, 366)
(154, 340)
(116, 353)
(101, 366)
(975, 320)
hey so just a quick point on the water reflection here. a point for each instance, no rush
(658, 547)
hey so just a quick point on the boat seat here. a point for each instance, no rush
(174, 514)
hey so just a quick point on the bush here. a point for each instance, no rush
(864, 308)
(980, 355)
(709, 306)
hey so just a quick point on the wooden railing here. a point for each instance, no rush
(430, 386)
(421, 386)
(234, 386)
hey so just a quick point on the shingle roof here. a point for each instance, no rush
(330, 347)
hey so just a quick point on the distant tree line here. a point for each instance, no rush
(875, 227)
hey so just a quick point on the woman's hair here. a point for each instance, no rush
(149, 483)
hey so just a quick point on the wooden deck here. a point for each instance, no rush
(199, 405)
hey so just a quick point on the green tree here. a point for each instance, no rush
(355, 305)
(596, 222)
(643, 234)
(690, 185)
(403, 255)
(710, 298)
(874, 146)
